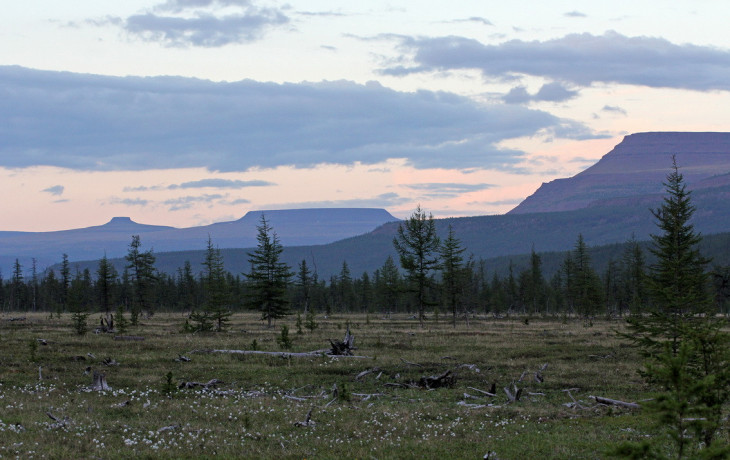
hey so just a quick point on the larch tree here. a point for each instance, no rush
(217, 298)
(142, 271)
(453, 275)
(417, 245)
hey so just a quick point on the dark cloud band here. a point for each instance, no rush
(91, 122)
(580, 59)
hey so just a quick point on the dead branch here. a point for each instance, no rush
(485, 393)
(472, 367)
(168, 428)
(410, 363)
(307, 420)
(615, 402)
(513, 397)
(59, 423)
(109, 362)
(182, 359)
(471, 406)
(367, 396)
(366, 372)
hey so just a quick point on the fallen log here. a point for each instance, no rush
(208, 384)
(281, 354)
(615, 402)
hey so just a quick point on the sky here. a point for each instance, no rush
(189, 112)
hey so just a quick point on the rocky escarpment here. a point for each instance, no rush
(635, 169)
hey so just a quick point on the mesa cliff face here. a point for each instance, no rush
(635, 170)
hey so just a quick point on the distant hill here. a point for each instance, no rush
(294, 227)
(637, 167)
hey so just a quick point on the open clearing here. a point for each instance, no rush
(47, 408)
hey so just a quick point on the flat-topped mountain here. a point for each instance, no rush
(636, 168)
(294, 227)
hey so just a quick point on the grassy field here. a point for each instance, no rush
(252, 413)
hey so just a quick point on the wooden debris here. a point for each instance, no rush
(17, 318)
(59, 423)
(615, 402)
(91, 355)
(345, 347)
(367, 396)
(42, 341)
(447, 379)
(129, 338)
(471, 406)
(485, 393)
(283, 354)
(99, 383)
(513, 397)
(106, 325)
(109, 362)
(366, 372)
(295, 398)
(471, 367)
(40, 372)
(411, 364)
(307, 420)
(210, 383)
(168, 428)
(123, 404)
(182, 359)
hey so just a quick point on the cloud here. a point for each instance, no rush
(575, 14)
(549, 92)
(447, 190)
(187, 202)
(579, 59)
(222, 183)
(129, 201)
(613, 109)
(55, 190)
(202, 23)
(384, 200)
(90, 122)
(474, 19)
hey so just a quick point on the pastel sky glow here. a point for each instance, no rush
(188, 112)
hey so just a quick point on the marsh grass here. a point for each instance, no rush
(249, 416)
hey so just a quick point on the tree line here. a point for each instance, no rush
(431, 275)
(452, 284)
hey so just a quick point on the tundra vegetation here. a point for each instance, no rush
(630, 363)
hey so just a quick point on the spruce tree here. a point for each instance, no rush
(269, 277)
(688, 350)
